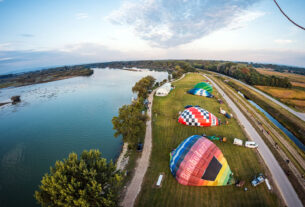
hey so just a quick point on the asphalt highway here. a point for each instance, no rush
(283, 184)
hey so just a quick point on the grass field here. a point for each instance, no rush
(291, 76)
(290, 96)
(168, 134)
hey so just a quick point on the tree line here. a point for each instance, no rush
(241, 71)
(131, 122)
(246, 74)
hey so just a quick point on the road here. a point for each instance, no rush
(260, 122)
(297, 114)
(286, 190)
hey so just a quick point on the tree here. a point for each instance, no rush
(84, 182)
(143, 86)
(130, 123)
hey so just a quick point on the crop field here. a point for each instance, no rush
(293, 97)
(291, 76)
(284, 93)
(168, 134)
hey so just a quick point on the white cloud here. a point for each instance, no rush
(5, 46)
(283, 41)
(5, 59)
(245, 18)
(167, 23)
(81, 16)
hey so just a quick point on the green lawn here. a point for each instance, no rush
(168, 134)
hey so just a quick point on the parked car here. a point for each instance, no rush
(251, 144)
(140, 147)
(258, 180)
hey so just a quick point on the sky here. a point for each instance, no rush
(44, 33)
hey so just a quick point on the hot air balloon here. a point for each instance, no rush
(200, 92)
(196, 116)
(199, 162)
(204, 86)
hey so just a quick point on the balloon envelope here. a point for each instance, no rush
(196, 116)
(204, 86)
(199, 162)
(200, 92)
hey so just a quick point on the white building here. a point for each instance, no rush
(164, 90)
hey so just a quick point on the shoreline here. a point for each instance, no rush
(44, 76)
(122, 160)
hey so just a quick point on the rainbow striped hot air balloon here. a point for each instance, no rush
(204, 86)
(199, 162)
(196, 116)
(200, 92)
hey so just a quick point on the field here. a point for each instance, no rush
(293, 97)
(168, 134)
(291, 76)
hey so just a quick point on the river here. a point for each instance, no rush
(55, 119)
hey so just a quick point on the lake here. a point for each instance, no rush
(55, 119)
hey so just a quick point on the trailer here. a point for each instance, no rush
(238, 142)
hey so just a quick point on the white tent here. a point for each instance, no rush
(164, 90)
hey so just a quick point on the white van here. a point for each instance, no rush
(238, 142)
(251, 144)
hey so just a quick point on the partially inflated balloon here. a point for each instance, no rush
(196, 116)
(204, 86)
(199, 162)
(200, 92)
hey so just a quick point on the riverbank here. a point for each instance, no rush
(43, 76)
(122, 161)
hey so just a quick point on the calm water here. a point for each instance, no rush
(277, 123)
(55, 119)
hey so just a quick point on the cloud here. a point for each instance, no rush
(168, 23)
(81, 16)
(18, 60)
(5, 59)
(5, 46)
(283, 41)
(245, 18)
(27, 35)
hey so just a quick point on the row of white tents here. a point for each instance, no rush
(164, 90)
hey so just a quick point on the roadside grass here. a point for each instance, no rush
(283, 147)
(292, 177)
(288, 120)
(168, 134)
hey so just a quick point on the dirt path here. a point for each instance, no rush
(135, 185)
(287, 191)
